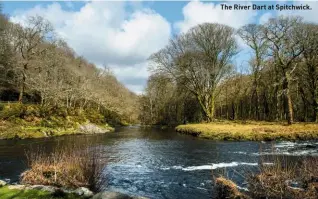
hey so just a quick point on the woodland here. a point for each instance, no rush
(196, 76)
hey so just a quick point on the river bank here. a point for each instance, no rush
(20, 121)
(251, 131)
(48, 192)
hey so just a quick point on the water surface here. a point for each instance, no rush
(161, 163)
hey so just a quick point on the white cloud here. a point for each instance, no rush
(308, 15)
(265, 17)
(106, 33)
(196, 12)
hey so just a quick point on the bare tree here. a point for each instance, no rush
(310, 59)
(199, 60)
(252, 35)
(30, 44)
(284, 36)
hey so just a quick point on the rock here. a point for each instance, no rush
(2, 183)
(115, 195)
(43, 188)
(17, 186)
(111, 195)
(91, 129)
(82, 191)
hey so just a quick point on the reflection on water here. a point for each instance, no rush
(160, 163)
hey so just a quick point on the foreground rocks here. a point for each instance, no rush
(2, 183)
(114, 195)
(83, 192)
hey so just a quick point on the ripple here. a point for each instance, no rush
(211, 167)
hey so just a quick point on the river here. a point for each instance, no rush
(161, 164)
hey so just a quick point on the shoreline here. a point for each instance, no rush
(250, 131)
(33, 132)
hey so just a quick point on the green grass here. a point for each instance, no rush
(254, 131)
(6, 193)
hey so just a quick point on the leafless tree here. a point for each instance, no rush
(199, 60)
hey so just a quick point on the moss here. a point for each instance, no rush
(33, 121)
(254, 131)
(6, 193)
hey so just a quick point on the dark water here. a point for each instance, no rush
(161, 163)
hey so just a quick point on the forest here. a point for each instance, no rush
(195, 77)
(38, 67)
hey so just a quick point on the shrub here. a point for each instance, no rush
(282, 180)
(94, 116)
(285, 180)
(225, 188)
(71, 167)
(11, 110)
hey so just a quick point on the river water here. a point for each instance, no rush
(159, 163)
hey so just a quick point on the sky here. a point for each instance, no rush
(122, 35)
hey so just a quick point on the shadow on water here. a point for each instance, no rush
(159, 163)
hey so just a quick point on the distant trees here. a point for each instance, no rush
(282, 82)
(38, 67)
(253, 36)
(198, 60)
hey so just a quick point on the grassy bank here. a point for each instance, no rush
(34, 121)
(254, 131)
(6, 193)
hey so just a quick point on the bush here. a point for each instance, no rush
(282, 180)
(94, 116)
(71, 167)
(225, 188)
(11, 110)
(285, 180)
(2, 105)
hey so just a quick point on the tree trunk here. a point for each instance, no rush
(22, 87)
(290, 112)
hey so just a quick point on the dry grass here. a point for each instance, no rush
(255, 131)
(69, 167)
(224, 188)
(285, 181)
(282, 180)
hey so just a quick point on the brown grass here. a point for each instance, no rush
(282, 180)
(224, 188)
(69, 167)
(276, 181)
(255, 131)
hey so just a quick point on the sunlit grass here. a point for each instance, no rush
(250, 130)
(6, 193)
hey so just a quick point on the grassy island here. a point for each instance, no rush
(254, 131)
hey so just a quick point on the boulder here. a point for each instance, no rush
(83, 191)
(111, 195)
(91, 129)
(17, 186)
(2, 183)
(42, 188)
(115, 195)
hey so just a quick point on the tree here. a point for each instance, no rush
(284, 35)
(198, 60)
(30, 44)
(310, 59)
(252, 35)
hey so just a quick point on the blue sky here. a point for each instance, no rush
(122, 35)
